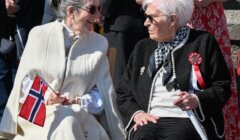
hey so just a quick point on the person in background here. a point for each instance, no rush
(71, 58)
(176, 71)
(123, 27)
(17, 18)
(29, 16)
(7, 51)
(49, 12)
(209, 16)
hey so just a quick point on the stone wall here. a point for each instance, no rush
(232, 12)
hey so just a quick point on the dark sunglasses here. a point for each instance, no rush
(151, 19)
(92, 9)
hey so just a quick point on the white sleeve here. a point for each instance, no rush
(26, 86)
(92, 102)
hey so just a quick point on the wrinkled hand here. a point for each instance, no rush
(186, 101)
(69, 101)
(55, 99)
(143, 118)
(11, 7)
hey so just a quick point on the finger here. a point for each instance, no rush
(152, 119)
(177, 101)
(135, 127)
(180, 94)
(185, 102)
(145, 121)
(55, 98)
(138, 121)
(60, 99)
(180, 105)
(155, 117)
(188, 108)
(66, 102)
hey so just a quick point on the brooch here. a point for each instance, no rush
(194, 58)
(142, 70)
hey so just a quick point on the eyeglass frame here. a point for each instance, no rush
(151, 18)
(92, 9)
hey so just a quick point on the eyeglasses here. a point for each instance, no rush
(92, 9)
(151, 18)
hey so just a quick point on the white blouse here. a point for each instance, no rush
(162, 101)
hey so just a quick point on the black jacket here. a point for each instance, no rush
(133, 92)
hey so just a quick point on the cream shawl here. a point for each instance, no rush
(87, 65)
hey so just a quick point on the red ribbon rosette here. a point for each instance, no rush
(195, 60)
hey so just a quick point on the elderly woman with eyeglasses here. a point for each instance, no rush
(63, 89)
(176, 82)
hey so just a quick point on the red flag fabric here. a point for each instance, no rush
(34, 107)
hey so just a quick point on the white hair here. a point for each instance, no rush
(183, 9)
(63, 4)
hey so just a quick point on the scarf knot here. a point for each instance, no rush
(162, 55)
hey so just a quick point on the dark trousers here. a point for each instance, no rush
(124, 43)
(8, 67)
(167, 129)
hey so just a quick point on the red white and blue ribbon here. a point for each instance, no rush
(195, 60)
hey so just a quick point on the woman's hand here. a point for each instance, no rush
(69, 101)
(186, 101)
(143, 118)
(55, 99)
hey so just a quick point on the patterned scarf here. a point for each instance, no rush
(162, 57)
(164, 48)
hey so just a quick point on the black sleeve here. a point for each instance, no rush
(126, 102)
(218, 90)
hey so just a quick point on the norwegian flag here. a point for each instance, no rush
(34, 109)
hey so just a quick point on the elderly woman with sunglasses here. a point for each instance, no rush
(176, 82)
(71, 62)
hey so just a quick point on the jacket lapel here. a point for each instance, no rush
(183, 67)
(56, 52)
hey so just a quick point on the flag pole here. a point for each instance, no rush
(47, 84)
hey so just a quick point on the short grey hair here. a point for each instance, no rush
(64, 4)
(183, 9)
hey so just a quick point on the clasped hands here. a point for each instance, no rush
(185, 101)
(56, 98)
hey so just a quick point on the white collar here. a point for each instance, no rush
(68, 31)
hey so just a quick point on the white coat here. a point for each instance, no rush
(86, 65)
